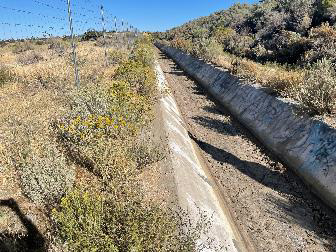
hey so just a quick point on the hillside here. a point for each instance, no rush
(287, 45)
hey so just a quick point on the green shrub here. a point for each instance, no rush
(328, 3)
(183, 44)
(144, 53)
(211, 50)
(199, 33)
(5, 75)
(222, 34)
(322, 44)
(141, 78)
(111, 112)
(287, 47)
(117, 56)
(145, 154)
(81, 223)
(318, 91)
(240, 45)
(45, 177)
(30, 57)
(97, 222)
(91, 35)
(22, 47)
(260, 53)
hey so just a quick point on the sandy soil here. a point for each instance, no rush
(268, 201)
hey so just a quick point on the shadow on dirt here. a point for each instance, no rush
(302, 205)
(258, 172)
(32, 241)
(216, 125)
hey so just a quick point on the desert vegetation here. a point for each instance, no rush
(76, 156)
(280, 44)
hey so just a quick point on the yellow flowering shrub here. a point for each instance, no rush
(144, 51)
(101, 133)
(116, 107)
(141, 78)
(116, 56)
(81, 128)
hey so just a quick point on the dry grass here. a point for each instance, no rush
(268, 75)
(26, 110)
(315, 94)
(36, 94)
(74, 151)
(314, 87)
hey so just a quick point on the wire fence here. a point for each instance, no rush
(43, 19)
(50, 18)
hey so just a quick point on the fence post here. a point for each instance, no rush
(123, 31)
(115, 24)
(104, 31)
(74, 56)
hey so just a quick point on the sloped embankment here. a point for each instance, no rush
(305, 145)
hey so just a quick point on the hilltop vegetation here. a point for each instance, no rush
(289, 45)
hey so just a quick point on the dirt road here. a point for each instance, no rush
(269, 203)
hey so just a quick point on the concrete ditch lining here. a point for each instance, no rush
(305, 145)
(196, 190)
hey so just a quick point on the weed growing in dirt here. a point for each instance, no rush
(146, 154)
(45, 176)
(128, 225)
(30, 57)
(318, 91)
(117, 56)
(5, 75)
(22, 47)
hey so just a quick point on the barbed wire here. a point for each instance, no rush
(43, 15)
(82, 8)
(75, 13)
(112, 23)
(31, 25)
(48, 5)
(57, 8)
(33, 13)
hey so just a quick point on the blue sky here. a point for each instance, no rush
(26, 18)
